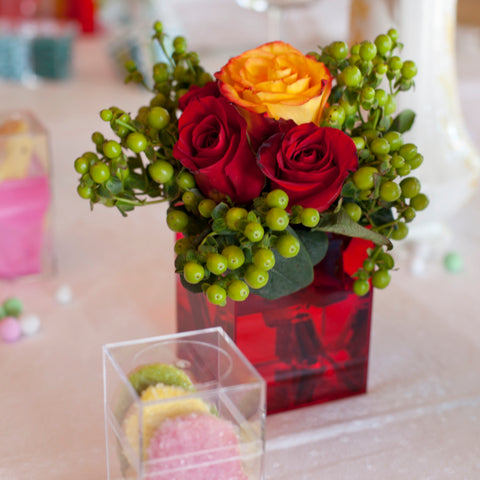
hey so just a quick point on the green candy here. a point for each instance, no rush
(154, 373)
(12, 307)
(453, 262)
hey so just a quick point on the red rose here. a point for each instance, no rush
(213, 145)
(210, 89)
(309, 163)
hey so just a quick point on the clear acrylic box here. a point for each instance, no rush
(211, 429)
(25, 197)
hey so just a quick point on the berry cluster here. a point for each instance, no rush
(381, 195)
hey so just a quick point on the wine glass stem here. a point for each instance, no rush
(275, 23)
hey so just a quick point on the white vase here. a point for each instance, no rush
(450, 171)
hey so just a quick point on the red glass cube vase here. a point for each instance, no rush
(311, 346)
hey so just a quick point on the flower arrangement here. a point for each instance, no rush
(263, 162)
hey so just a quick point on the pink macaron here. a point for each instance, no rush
(195, 447)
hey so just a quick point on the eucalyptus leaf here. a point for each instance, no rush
(316, 244)
(289, 274)
(403, 121)
(343, 224)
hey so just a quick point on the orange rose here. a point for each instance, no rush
(279, 81)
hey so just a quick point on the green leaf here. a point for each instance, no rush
(343, 224)
(316, 244)
(403, 121)
(114, 185)
(219, 211)
(289, 274)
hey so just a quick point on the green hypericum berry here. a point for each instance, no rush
(256, 277)
(309, 217)
(277, 198)
(400, 232)
(158, 117)
(161, 171)
(277, 219)
(397, 161)
(186, 181)
(136, 142)
(254, 231)
(359, 142)
(130, 66)
(368, 264)
(264, 258)
(177, 220)
(352, 76)
(206, 207)
(395, 63)
(381, 278)
(353, 210)
(97, 138)
(361, 287)
(381, 97)
(339, 50)
(334, 115)
(84, 191)
(405, 170)
(409, 69)
(381, 68)
(180, 44)
(367, 94)
(193, 272)
(409, 214)
(160, 72)
(384, 44)
(393, 34)
(364, 177)
(234, 255)
(288, 246)
(189, 199)
(182, 245)
(234, 217)
(419, 202)
(368, 50)
(238, 291)
(99, 172)
(82, 165)
(216, 295)
(395, 140)
(158, 27)
(112, 149)
(390, 191)
(380, 146)
(106, 114)
(416, 161)
(410, 186)
(216, 263)
(408, 151)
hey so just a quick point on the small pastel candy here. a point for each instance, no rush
(29, 324)
(195, 447)
(10, 330)
(13, 307)
(64, 295)
(453, 262)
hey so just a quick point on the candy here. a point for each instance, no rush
(10, 330)
(29, 324)
(155, 413)
(201, 447)
(13, 306)
(64, 295)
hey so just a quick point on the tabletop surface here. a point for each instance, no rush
(419, 420)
